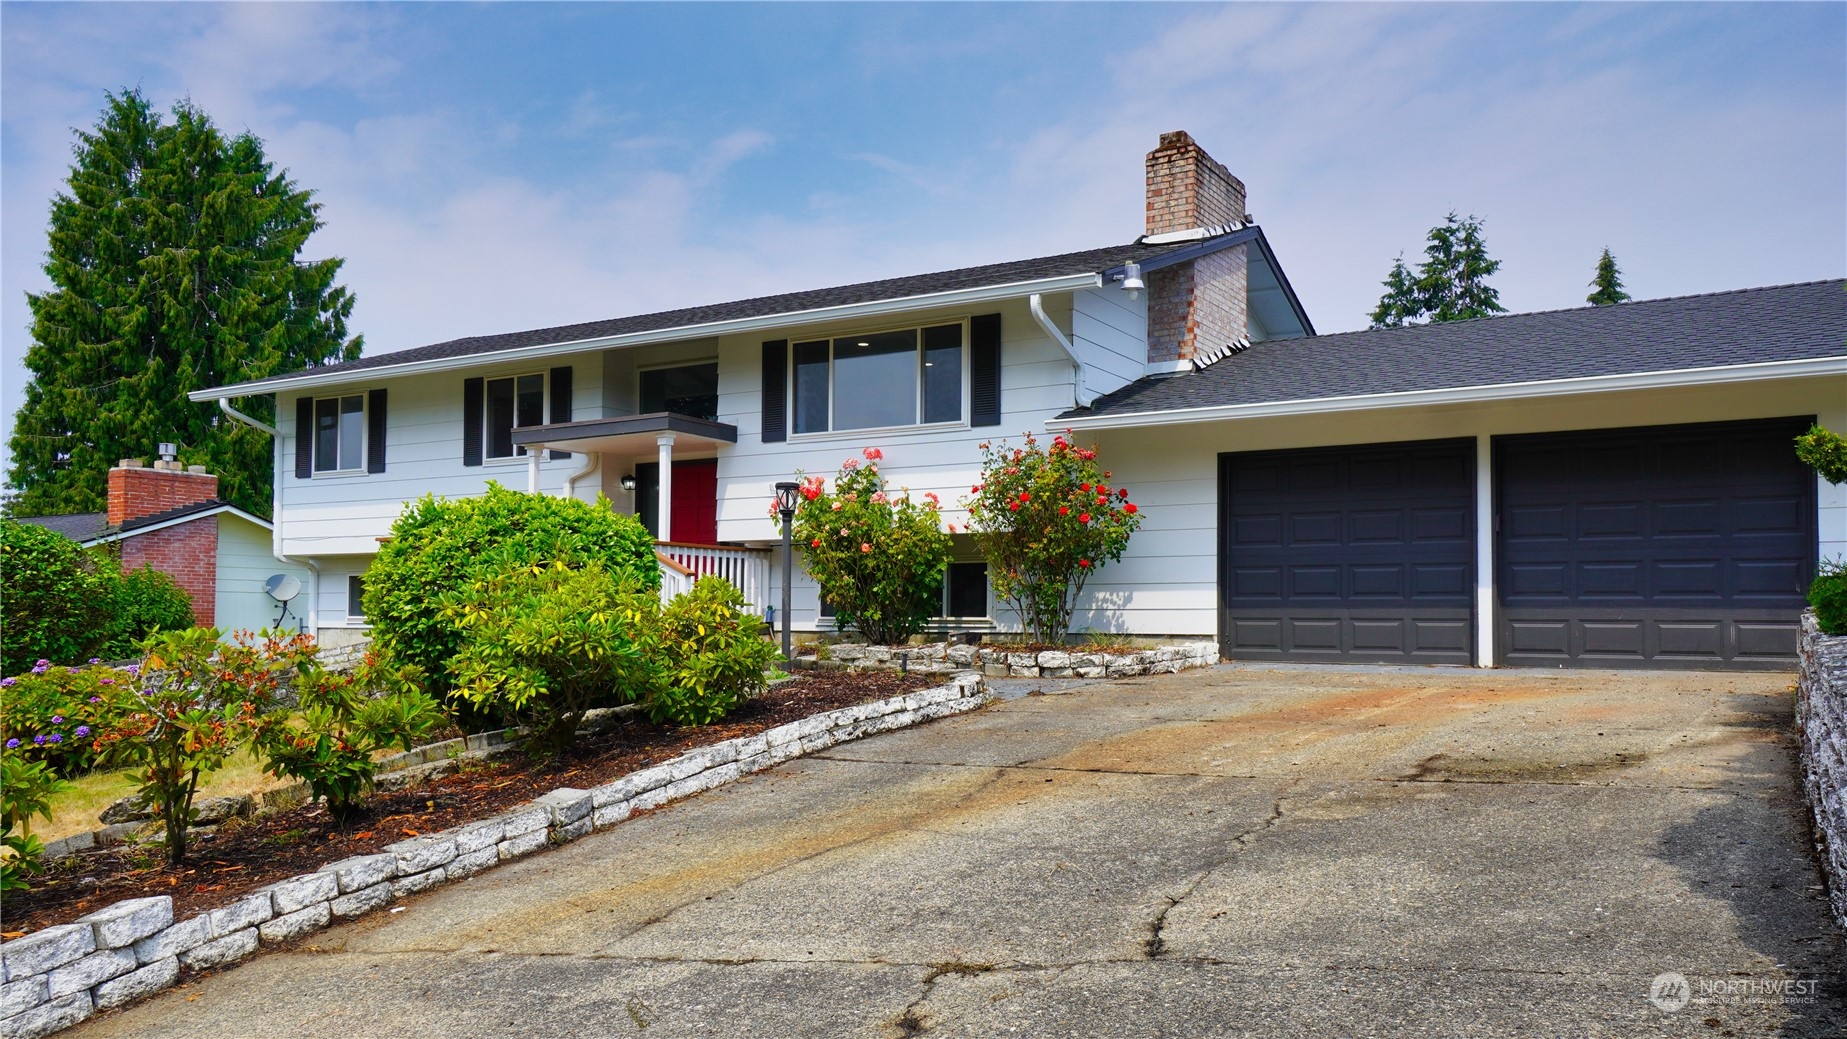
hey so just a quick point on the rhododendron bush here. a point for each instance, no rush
(877, 554)
(1046, 519)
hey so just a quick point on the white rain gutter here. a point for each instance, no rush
(312, 620)
(876, 308)
(1730, 373)
(1035, 303)
(593, 459)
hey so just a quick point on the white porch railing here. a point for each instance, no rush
(683, 563)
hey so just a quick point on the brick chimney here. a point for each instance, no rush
(1199, 304)
(136, 490)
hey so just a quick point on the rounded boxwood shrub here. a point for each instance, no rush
(1828, 594)
(441, 548)
(58, 601)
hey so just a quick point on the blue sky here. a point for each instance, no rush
(488, 168)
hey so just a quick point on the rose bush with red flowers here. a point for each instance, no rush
(1046, 519)
(877, 555)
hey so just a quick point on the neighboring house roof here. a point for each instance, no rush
(92, 528)
(1771, 331)
(78, 526)
(1018, 277)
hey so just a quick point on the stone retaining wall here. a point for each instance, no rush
(1821, 712)
(1000, 662)
(61, 975)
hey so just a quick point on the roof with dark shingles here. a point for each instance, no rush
(1090, 261)
(1776, 323)
(87, 526)
(78, 526)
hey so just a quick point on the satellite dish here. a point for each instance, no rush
(282, 587)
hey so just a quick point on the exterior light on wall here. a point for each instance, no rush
(627, 481)
(785, 507)
(1132, 280)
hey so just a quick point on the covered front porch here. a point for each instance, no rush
(669, 462)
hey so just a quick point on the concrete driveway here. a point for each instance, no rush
(1241, 851)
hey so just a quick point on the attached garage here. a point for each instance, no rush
(1357, 554)
(1676, 546)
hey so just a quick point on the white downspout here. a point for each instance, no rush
(313, 619)
(592, 459)
(1036, 304)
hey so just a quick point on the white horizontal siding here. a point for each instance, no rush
(1110, 332)
(346, 514)
(330, 595)
(244, 563)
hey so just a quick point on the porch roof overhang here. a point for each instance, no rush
(635, 434)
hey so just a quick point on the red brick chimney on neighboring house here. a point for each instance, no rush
(1199, 304)
(188, 551)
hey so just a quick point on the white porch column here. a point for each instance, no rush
(665, 533)
(533, 451)
(1484, 550)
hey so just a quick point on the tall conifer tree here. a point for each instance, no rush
(1450, 285)
(1607, 286)
(175, 260)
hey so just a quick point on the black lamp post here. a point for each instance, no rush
(785, 506)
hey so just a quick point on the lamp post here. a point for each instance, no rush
(785, 506)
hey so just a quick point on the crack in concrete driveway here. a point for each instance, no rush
(1239, 851)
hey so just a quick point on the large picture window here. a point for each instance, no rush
(340, 434)
(881, 379)
(690, 389)
(513, 403)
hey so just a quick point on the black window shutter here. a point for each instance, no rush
(304, 438)
(474, 399)
(775, 391)
(561, 401)
(984, 369)
(375, 431)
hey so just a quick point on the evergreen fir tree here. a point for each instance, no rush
(1400, 302)
(1450, 285)
(1607, 286)
(175, 261)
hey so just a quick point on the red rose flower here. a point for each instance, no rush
(1083, 517)
(1129, 508)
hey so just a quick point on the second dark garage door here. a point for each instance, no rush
(1361, 554)
(1671, 546)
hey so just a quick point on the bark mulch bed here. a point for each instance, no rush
(248, 854)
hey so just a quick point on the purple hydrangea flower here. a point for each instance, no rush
(57, 719)
(96, 660)
(10, 744)
(8, 681)
(41, 667)
(38, 741)
(83, 730)
(55, 738)
(74, 671)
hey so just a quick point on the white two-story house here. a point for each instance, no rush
(1602, 486)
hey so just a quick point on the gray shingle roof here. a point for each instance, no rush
(1090, 261)
(1777, 323)
(78, 526)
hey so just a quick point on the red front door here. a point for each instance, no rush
(695, 500)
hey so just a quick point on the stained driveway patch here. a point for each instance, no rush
(1241, 851)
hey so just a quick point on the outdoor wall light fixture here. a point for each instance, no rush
(1132, 279)
(628, 481)
(786, 492)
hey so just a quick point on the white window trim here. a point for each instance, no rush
(830, 433)
(314, 436)
(519, 455)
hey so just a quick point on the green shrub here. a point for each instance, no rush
(25, 793)
(1825, 452)
(878, 556)
(439, 546)
(1828, 594)
(711, 655)
(1046, 520)
(342, 722)
(55, 714)
(545, 644)
(58, 597)
(146, 601)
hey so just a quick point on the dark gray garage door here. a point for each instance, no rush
(1351, 553)
(1673, 546)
